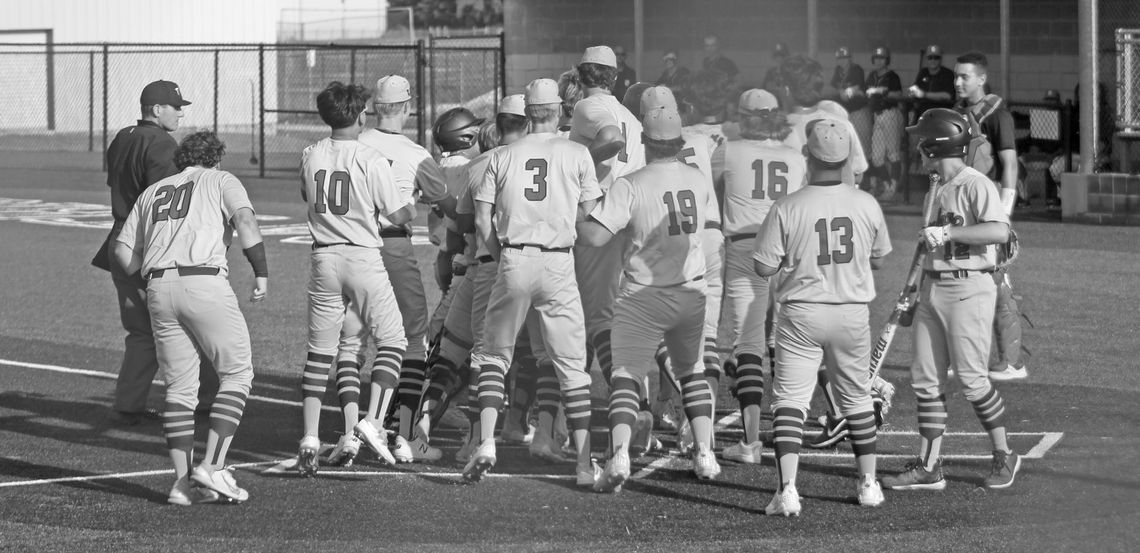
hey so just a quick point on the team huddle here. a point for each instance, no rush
(669, 248)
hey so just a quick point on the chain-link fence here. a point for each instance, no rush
(1118, 79)
(259, 98)
(468, 71)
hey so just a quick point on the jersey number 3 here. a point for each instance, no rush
(686, 204)
(538, 193)
(843, 227)
(332, 195)
(776, 178)
(171, 202)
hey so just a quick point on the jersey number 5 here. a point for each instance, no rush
(776, 177)
(687, 220)
(171, 202)
(842, 226)
(538, 193)
(332, 195)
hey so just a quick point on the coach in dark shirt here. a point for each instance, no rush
(934, 85)
(138, 157)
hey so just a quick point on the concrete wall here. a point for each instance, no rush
(545, 37)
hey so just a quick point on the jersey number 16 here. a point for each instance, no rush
(776, 178)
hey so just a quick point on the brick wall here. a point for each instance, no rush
(545, 37)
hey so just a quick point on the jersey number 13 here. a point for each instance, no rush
(843, 228)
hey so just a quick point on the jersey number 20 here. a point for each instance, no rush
(686, 204)
(843, 227)
(332, 195)
(776, 179)
(171, 202)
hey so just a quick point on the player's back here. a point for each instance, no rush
(538, 183)
(832, 233)
(594, 113)
(697, 152)
(340, 184)
(757, 173)
(669, 204)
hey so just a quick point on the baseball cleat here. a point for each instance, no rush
(480, 462)
(543, 447)
(870, 492)
(307, 456)
(616, 473)
(785, 502)
(1003, 470)
(915, 477)
(704, 463)
(465, 451)
(415, 451)
(642, 441)
(1008, 373)
(376, 440)
(685, 437)
(218, 480)
(587, 476)
(347, 447)
(834, 431)
(516, 433)
(743, 453)
(184, 494)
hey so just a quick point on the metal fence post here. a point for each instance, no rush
(503, 62)
(1067, 134)
(352, 65)
(105, 64)
(420, 106)
(431, 68)
(261, 109)
(50, 68)
(215, 90)
(91, 101)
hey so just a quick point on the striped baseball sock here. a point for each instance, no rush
(225, 416)
(990, 410)
(931, 426)
(314, 380)
(863, 436)
(698, 401)
(348, 389)
(788, 435)
(625, 393)
(602, 351)
(713, 370)
(413, 373)
(178, 428)
(526, 377)
(492, 392)
(750, 391)
(578, 411)
(471, 400)
(384, 380)
(547, 393)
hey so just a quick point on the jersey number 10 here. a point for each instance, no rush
(332, 196)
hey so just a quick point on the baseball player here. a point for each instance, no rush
(956, 306)
(803, 81)
(662, 295)
(570, 90)
(415, 172)
(177, 233)
(613, 136)
(346, 184)
(454, 133)
(825, 239)
(884, 90)
(758, 170)
(536, 189)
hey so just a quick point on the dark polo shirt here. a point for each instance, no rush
(138, 157)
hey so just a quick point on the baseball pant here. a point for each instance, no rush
(836, 336)
(1007, 323)
(356, 274)
(192, 313)
(545, 280)
(408, 286)
(712, 242)
(455, 340)
(952, 329)
(598, 276)
(644, 314)
(746, 300)
(886, 139)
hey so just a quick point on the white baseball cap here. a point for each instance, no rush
(542, 91)
(656, 97)
(391, 89)
(756, 100)
(828, 140)
(662, 124)
(513, 104)
(601, 55)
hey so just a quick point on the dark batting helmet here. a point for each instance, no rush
(881, 52)
(632, 99)
(457, 129)
(942, 133)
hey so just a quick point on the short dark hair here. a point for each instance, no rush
(817, 164)
(202, 148)
(766, 125)
(804, 78)
(508, 123)
(595, 75)
(975, 58)
(661, 149)
(489, 136)
(341, 104)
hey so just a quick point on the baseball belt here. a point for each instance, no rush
(184, 271)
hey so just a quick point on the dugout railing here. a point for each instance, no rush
(258, 97)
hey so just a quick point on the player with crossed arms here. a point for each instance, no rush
(824, 240)
(345, 185)
(533, 193)
(177, 234)
(662, 295)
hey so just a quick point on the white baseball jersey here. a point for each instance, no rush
(536, 185)
(412, 165)
(594, 113)
(664, 205)
(967, 199)
(347, 185)
(184, 220)
(824, 237)
(697, 152)
(473, 177)
(756, 174)
(454, 174)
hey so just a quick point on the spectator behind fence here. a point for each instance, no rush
(934, 85)
(849, 83)
(675, 76)
(772, 77)
(626, 75)
(885, 90)
(714, 59)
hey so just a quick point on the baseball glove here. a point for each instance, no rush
(1007, 253)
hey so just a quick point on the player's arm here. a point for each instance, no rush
(1008, 179)
(127, 248)
(432, 184)
(589, 190)
(252, 245)
(763, 269)
(608, 143)
(485, 227)
(402, 215)
(981, 234)
(768, 249)
(607, 217)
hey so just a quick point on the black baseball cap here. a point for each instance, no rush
(162, 93)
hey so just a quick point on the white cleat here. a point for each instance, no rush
(513, 433)
(744, 453)
(616, 473)
(480, 462)
(870, 492)
(685, 437)
(346, 450)
(415, 451)
(376, 440)
(704, 463)
(307, 454)
(465, 451)
(587, 477)
(542, 447)
(184, 494)
(220, 480)
(785, 502)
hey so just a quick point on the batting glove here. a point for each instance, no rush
(935, 236)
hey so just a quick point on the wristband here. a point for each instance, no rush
(256, 256)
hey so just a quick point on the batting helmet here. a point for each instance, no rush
(842, 52)
(882, 52)
(455, 130)
(632, 99)
(942, 133)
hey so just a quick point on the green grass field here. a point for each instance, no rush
(71, 481)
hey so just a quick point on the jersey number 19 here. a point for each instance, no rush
(682, 212)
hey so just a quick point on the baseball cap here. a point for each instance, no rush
(601, 55)
(162, 93)
(658, 97)
(513, 105)
(393, 88)
(662, 124)
(542, 91)
(756, 100)
(842, 52)
(934, 50)
(881, 52)
(828, 140)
